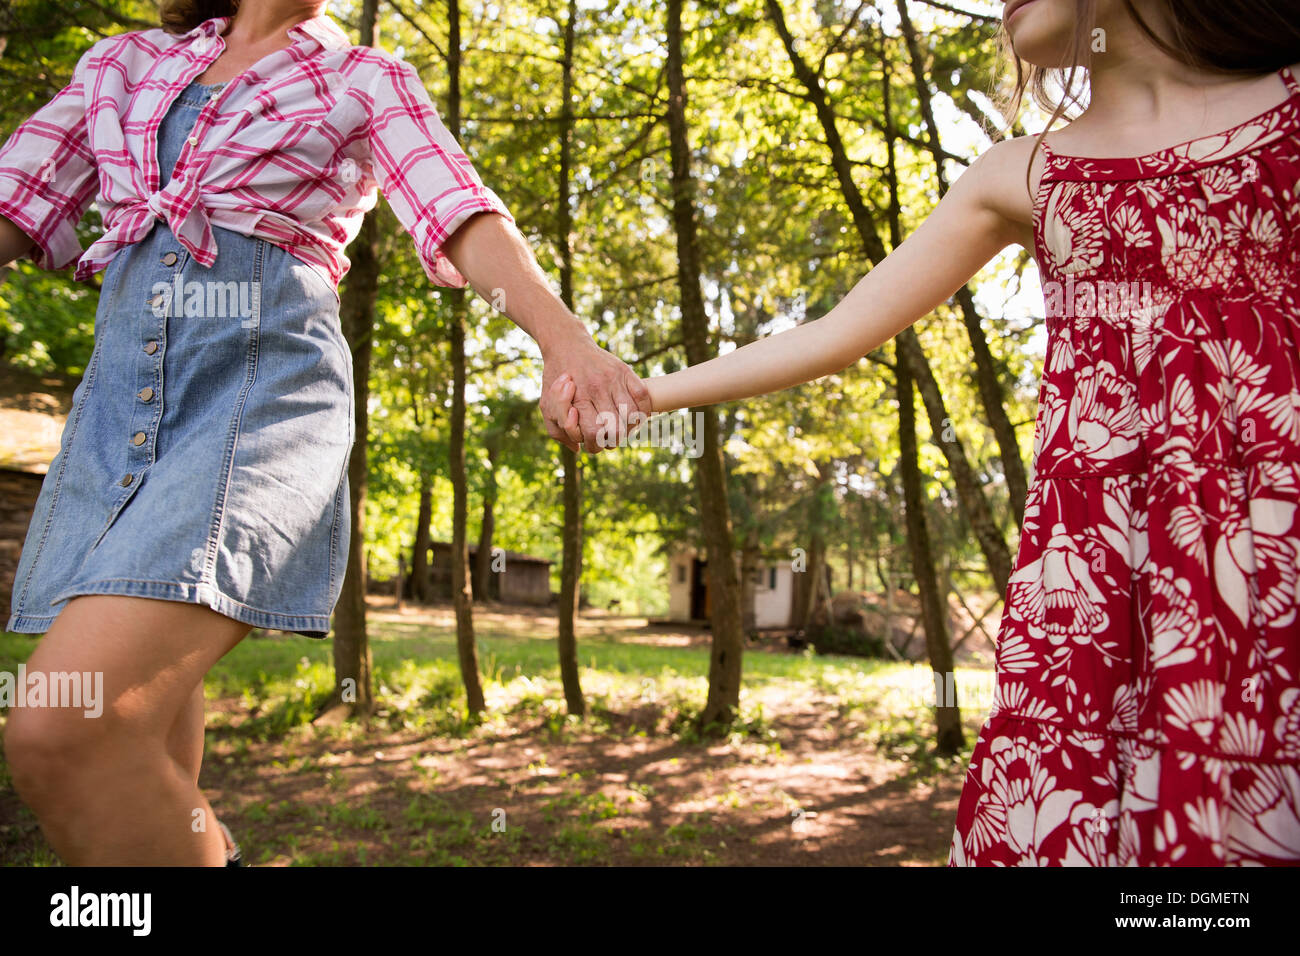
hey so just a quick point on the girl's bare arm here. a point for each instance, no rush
(986, 210)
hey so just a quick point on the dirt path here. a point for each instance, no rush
(822, 799)
(618, 789)
(812, 792)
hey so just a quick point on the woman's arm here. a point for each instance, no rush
(48, 176)
(498, 263)
(968, 228)
(441, 201)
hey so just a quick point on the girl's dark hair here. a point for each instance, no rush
(182, 16)
(1263, 37)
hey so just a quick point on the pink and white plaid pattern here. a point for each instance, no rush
(291, 151)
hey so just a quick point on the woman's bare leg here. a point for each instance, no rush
(185, 741)
(121, 788)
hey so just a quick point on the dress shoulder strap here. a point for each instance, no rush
(1290, 80)
(1048, 157)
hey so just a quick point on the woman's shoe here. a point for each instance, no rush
(233, 856)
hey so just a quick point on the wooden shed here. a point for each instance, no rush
(516, 579)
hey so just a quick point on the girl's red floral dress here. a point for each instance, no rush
(1148, 701)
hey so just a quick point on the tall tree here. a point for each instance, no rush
(420, 550)
(352, 659)
(467, 650)
(821, 512)
(970, 494)
(948, 734)
(508, 415)
(571, 566)
(710, 476)
(482, 562)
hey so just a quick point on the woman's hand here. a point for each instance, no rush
(491, 254)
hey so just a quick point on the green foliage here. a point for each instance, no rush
(778, 247)
(47, 324)
(43, 41)
(841, 639)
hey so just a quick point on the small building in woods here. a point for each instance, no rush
(518, 579)
(772, 595)
(33, 410)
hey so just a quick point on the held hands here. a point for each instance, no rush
(589, 397)
(597, 396)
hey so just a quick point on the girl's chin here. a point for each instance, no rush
(1039, 35)
(1048, 52)
(1047, 62)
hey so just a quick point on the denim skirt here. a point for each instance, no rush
(205, 457)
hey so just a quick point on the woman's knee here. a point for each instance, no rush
(147, 657)
(50, 748)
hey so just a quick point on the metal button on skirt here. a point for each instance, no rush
(205, 456)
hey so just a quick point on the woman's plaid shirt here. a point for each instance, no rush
(292, 151)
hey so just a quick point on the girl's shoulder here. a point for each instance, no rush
(1005, 179)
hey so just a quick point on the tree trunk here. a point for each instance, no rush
(811, 586)
(466, 649)
(401, 578)
(570, 577)
(821, 509)
(949, 737)
(827, 585)
(728, 634)
(887, 582)
(483, 560)
(987, 379)
(970, 493)
(750, 568)
(352, 660)
(945, 592)
(571, 566)
(420, 583)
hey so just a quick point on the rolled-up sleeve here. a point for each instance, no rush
(47, 173)
(427, 179)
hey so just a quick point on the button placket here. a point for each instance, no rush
(147, 399)
(192, 141)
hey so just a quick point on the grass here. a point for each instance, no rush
(284, 682)
(264, 695)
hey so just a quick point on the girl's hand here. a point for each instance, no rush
(605, 395)
(562, 425)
